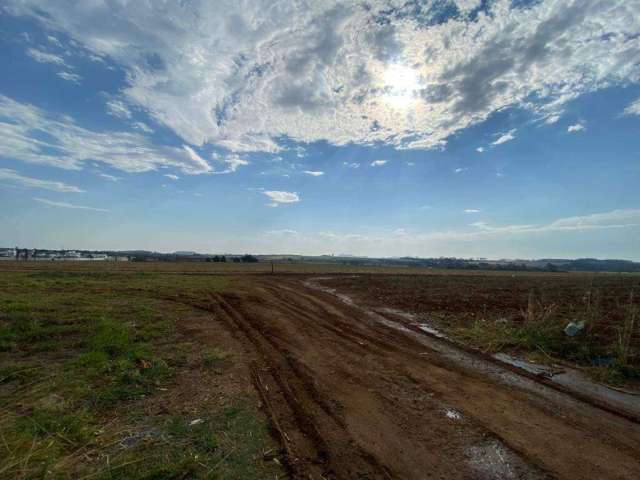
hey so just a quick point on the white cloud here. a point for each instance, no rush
(378, 163)
(480, 149)
(106, 176)
(613, 219)
(578, 127)
(633, 108)
(471, 210)
(505, 137)
(351, 164)
(246, 75)
(623, 218)
(460, 170)
(233, 161)
(14, 177)
(301, 152)
(118, 109)
(68, 205)
(278, 196)
(44, 57)
(551, 119)
(54, 41)
(68, 145)
(171, 176)
(70, 77)
(285, 232)
(467, 5)
(314, 173)
(142, 127)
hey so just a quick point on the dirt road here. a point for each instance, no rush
(351, 397)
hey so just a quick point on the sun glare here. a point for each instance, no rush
(402, 82)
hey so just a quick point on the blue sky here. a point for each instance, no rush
(506, 129)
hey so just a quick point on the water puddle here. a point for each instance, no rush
(577, 381)
(492, 460)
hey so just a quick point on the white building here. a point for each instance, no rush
(7, 253)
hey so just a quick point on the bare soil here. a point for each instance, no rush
(350, 397)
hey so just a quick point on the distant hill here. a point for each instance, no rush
(543, 264)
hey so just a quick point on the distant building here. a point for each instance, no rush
(7, 253)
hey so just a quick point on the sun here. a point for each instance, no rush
(401, 84)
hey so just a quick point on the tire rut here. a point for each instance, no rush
(316, 442)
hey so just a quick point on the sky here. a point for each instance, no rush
(469, 128)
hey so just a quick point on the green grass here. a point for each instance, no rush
(81, 353)
(208, 446)
(214, 358)
(610, 359)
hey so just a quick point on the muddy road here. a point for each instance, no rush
(351, 397)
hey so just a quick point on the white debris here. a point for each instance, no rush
(453, 414)
(197, 421)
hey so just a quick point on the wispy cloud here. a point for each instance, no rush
(106, 176)
(70, 146)
(552, 119)
(348, 46)
(379, 163)
(14, 177)
(171, 176)
(70, 77)
(142, 127)
(471, 210)
(622, 218)
(578, 127)
(285, 232)
(117, 108)
(505, 137)
(51, 203)
(314, 173)
(633, 108)
(232, 161)
(480, 149)
(44, 57)
(460, 170)
(278, 197)
(400, 240)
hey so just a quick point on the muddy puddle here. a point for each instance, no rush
(571, 379)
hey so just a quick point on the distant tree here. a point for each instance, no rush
(248, 259)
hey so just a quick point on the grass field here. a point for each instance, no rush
(93, 367)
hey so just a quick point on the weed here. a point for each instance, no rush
(75, 348)
(214, 359)
(225, 444)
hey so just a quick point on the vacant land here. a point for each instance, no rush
(167, 371)
(115, 375)
(523, 314)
